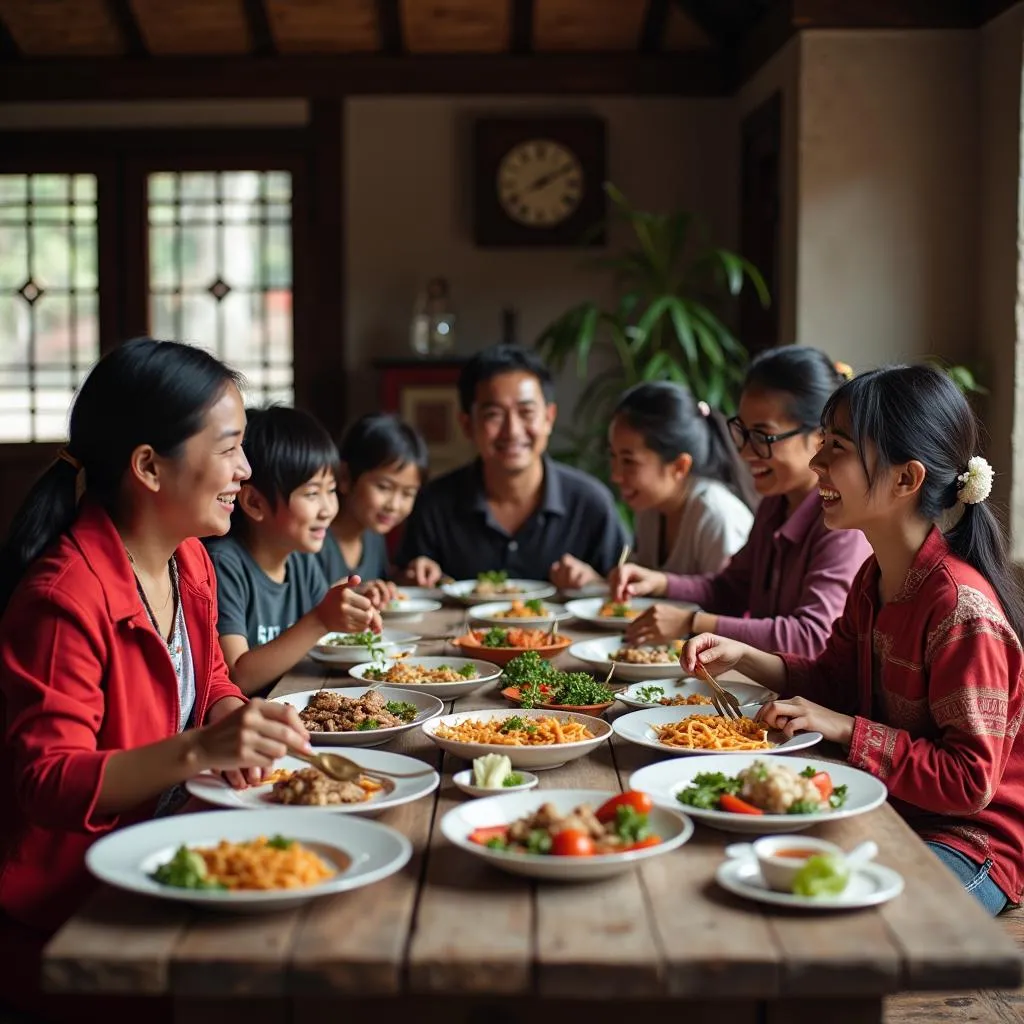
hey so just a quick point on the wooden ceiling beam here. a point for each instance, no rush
(390, 21)
(700, 73)
(263, 42)
(884, 14)
(128, 25)
(521, 39)
(652, 35)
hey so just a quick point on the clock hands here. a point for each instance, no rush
(544, 179)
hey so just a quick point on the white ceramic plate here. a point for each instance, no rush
(463, 590)
(597, 653)
(126, 857)
(409, 610)
(486, 614)
(391, 642)
(869, 885)
(586, 610)
(673, 828)
(464, 781)
(635, 697)
(665, 780)
(636, 727)
(213, 789)
(486, 672)
(531, 758)
(427, 706)
(420, 593)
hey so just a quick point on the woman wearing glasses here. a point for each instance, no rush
(785, 587)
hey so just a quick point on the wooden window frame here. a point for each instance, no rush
(121, 159)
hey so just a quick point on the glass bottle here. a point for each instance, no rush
(433, 322)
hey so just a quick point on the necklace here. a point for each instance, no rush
(173, 642)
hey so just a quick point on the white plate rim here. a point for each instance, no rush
(462, 590)
(207, 785)
(729, 877)
(359, 671)
(621, 726)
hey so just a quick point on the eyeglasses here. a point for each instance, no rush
(760, 442)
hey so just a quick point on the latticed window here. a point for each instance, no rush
(49, 295)
(220, 270)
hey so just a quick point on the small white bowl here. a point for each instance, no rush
(464, 781)
(777, 871)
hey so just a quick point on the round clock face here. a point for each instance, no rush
(540, 183)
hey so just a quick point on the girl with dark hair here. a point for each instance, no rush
(921, 678)
(675, 466)
(383, 466)
(785, 587)
(113, 689)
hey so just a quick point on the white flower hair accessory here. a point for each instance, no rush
(975, 484)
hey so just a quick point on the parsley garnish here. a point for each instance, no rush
(367, 724)
(650, 694)
(513, 779)
(401, 709)
(280, 843)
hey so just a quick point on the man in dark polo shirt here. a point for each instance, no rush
(513, 508)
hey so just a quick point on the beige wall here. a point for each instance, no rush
(408, 194)
(782, 74)
(887, 236)
(1000, 179)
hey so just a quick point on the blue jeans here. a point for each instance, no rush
(973, 877)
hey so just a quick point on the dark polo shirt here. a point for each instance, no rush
(452, 524)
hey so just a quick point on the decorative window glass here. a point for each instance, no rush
(49, 290)
(220, 271)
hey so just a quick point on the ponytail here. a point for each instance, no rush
(47, 512)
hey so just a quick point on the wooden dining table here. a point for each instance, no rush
(450, 939)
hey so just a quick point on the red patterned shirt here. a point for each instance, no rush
(933, 679)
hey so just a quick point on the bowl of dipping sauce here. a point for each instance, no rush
(781, 857)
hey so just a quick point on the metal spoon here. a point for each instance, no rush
(341, 769)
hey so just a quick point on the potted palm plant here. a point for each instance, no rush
(668, 323)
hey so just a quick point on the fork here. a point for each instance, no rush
(722, 700)
(342, 769)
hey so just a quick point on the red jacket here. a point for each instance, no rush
(940, 722)
(83, 674)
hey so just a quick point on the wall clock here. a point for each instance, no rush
(539, 181)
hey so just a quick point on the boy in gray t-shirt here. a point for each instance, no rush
(273, 599)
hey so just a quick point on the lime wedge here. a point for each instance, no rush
(822, 875)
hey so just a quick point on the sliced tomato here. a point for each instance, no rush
(734, 805)
(823, 783)
(571, 842)
(484, 835)
(644, 843)
(640, 802)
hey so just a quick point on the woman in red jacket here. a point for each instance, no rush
(921, 678)
(113, 689)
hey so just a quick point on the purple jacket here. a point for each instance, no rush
(783, 590)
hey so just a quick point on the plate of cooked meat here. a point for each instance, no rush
(353, 716)
(295, 784)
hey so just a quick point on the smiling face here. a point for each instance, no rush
(196, 490)
(787, 470)
(382, 498)
(643, 478)
(848, 499)
(302, 521)
(510, 422)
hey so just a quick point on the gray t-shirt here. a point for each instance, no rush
(250, 603)
(373, 563)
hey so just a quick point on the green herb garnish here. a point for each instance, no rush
(529, 667)
(279, 842)
(837, 797)
(630, 824)
(538, 841)
(496, 637)
(401, 709)
(707, 789)
(367, 639)
(513, 779)
(496, 843)
(492, 576)
(535, 605)
(366, 724)
(650, 694)
(185, 870)
(468, 671)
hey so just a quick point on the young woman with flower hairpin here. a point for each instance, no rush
(921, 677)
